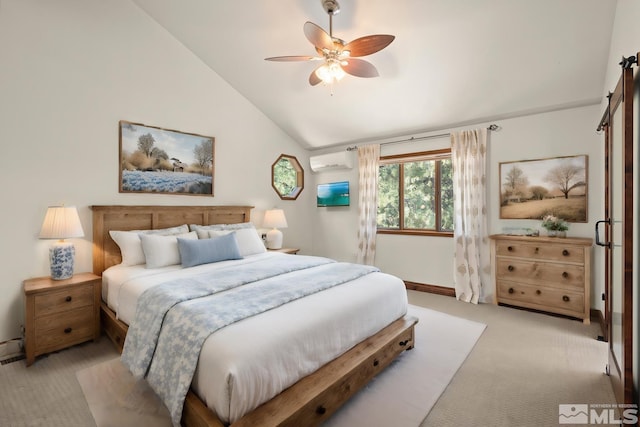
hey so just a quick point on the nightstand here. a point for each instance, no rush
(60, 313)
(292, 251)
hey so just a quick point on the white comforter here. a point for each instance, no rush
(249, 362)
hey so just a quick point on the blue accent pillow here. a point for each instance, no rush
(205, 251)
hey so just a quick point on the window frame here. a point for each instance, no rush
(299, 186)
(436, 155)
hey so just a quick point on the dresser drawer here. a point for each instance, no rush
(61, 330)
(63, 300)
(544, 273)
(542, 251)
(541, 298)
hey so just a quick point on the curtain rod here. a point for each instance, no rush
(493, 127)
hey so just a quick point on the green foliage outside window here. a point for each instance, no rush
(446, 195)
(285, 177)
(389, 196)
(426, 192)
(419, 195)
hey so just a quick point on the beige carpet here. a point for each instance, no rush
(401, 396)
(47, 393)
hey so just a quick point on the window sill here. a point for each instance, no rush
(417, 233)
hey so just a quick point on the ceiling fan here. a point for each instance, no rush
(339, 58)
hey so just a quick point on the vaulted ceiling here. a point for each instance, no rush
(453, 62)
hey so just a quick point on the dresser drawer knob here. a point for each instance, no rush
(565, 252)
(538, 292)
(565, 298)
(537, 250)
(67, 330)
(68, 299)
(510, 248)
(565, 274)
(511, 290)
(510, 268)
(321, 410)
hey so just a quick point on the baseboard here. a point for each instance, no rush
(431, 289)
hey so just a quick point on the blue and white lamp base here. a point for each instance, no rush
(61, 257)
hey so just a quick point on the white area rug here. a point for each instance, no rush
(404, 393)
(401, 396)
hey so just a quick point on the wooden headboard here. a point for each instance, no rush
(107, 253)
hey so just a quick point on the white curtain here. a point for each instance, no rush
(368, 163)
(472, 267)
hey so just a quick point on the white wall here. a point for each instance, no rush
(71, 69)
(429, 260)
(625, 41)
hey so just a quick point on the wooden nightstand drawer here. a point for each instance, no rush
(546, 274)
(62, 301)
(60, 313)
(541, 298)
(60, 331)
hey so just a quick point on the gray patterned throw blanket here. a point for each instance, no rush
(175, 318)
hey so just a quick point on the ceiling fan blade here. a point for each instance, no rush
(317, 36)
(313, 78)
(367, 45)
(291, 58)
(359, 68)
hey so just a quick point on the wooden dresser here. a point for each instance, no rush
(61, 313)
(543, 273)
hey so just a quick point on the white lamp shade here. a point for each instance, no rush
(274, 218)
(61, 222)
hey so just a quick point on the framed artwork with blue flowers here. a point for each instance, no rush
(164, 161)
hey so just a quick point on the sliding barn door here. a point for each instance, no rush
(618, 237)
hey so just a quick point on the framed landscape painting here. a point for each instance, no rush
(532, 189)
(157, 160)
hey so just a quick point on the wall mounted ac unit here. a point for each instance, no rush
(338, 160)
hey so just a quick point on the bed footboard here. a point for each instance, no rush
(313, 399)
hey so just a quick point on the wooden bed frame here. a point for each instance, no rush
(308, 402)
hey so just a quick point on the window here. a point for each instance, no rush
(287, 177)
(423, 181)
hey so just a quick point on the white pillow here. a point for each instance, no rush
(161, 251)
(202, 230)
(131, 247)
(249, 242)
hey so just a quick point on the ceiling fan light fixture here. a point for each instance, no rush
(330, 73)
(339, 58)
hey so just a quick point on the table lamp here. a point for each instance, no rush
(274, 219)
(61, 222)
